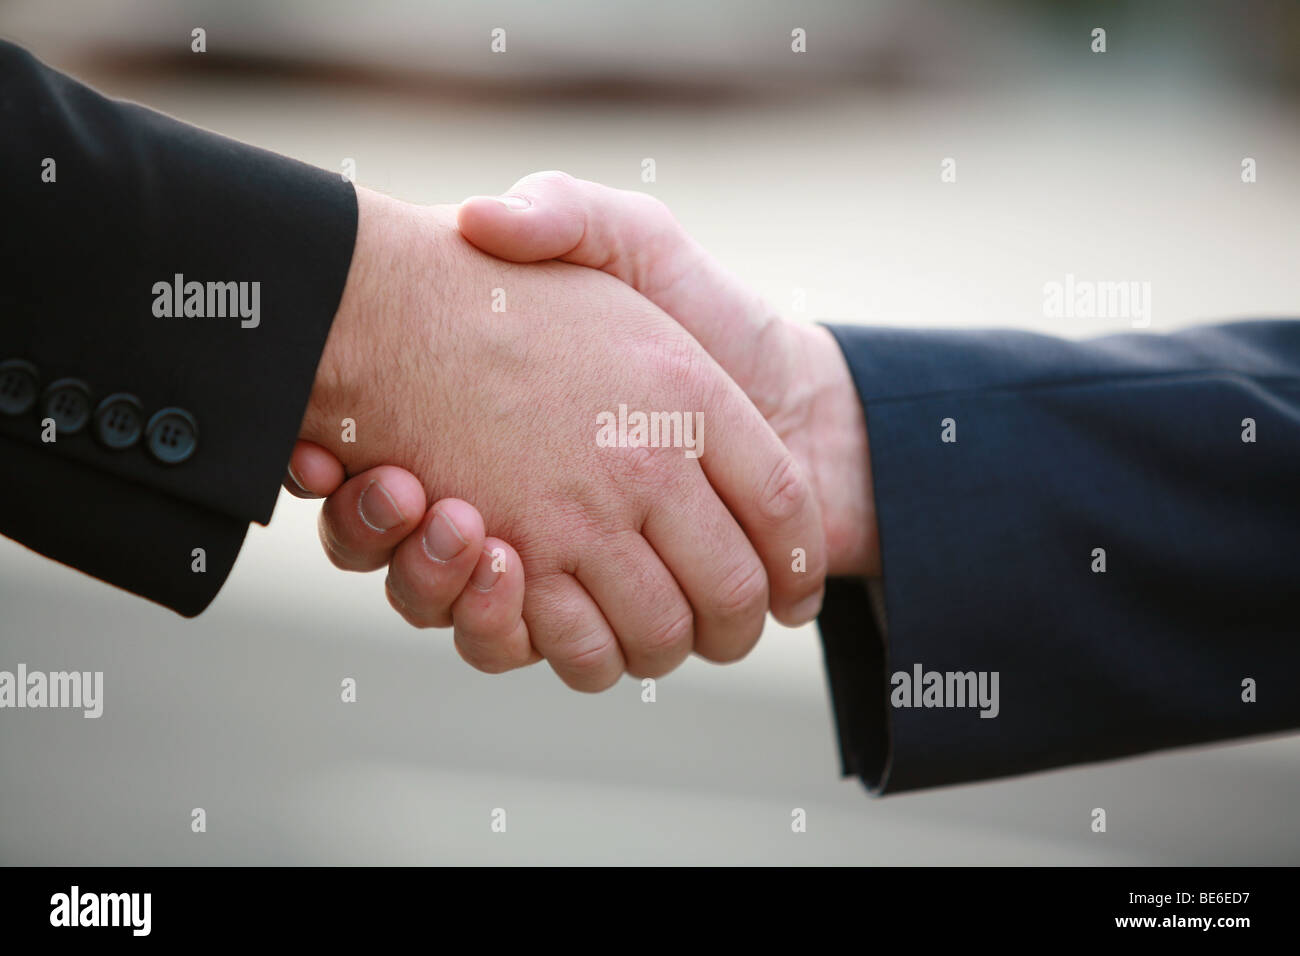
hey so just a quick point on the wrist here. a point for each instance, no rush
(841, 461)
(377, 320)
(338, 375)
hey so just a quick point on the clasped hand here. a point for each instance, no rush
(481, 385)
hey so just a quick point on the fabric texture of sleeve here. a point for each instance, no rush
(1108, 526)
(194, 275)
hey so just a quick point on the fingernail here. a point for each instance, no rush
(293, 475)
(485, 576)
(442, 541)
(807, 609)
(514, 202)
(378, 509)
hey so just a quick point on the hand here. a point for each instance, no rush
(795, 374)
(632, 560)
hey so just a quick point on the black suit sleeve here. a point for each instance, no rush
(1112, 531)
(106, 204)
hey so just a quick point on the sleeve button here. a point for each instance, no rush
(67, 402)
(119, 421)
(18, 386)
(172, 435)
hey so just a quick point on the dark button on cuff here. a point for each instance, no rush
(119, 421)
(67, 401)
(172, 435)
(18, 386)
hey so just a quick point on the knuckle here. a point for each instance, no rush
(587, 668)
(482, 627)
(742, 593)
(415, 616)
(671, 640)
(479, 658)
(735, 648)
(653, 211)
(785, 493)
(679, 360)
(548, 177)
(638, 475)
(686, 376)
(640, 465)
(648, 202)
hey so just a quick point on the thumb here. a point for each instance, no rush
(633, 237)
(537, 218)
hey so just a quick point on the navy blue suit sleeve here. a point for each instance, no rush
(1111, 530)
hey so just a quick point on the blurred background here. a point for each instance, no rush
(814, 175)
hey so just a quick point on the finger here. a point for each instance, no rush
(363, 522)
(552, 215)
(431, 567)
(718, 570)
(634, 237)
(313, 472)
(489, 613)
(770, 495)
(569, 630)
(642, 603)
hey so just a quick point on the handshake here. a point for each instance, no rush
(547, 365)
(570, 434)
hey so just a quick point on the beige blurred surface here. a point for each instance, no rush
(831, 197)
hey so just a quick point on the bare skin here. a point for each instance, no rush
(795, 374)
(632, 556)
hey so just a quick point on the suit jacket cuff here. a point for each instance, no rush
(166, 262)
(1130, 444)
